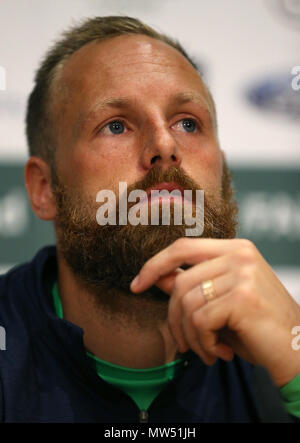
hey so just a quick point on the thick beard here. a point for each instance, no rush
(105, 259)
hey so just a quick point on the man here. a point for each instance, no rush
(116, 102)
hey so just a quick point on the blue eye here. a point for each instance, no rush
(189, 125)
(116, 127)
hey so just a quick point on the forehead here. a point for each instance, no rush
(125, 52)
(122, 57)
(133, 66)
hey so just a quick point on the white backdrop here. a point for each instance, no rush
(237, 42)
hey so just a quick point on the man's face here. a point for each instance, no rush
(147, 75)
(131, 109)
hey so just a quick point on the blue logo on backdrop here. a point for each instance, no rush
(275, 94)
(288, 11)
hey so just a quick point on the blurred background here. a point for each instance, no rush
(249, 55)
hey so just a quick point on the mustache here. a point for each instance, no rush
(157, 175)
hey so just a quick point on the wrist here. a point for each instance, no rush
(287, 372)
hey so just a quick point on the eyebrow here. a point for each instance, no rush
(195, 97)
(178, 99)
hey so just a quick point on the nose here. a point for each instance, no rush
(160, 149)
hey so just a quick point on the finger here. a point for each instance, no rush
(221, 350)
(183, 346)
(185, 282)
(183, 251)
(182, 306)
(208, 322)
(187, 337)
(191, 277)
(166, 283)
(207, 270)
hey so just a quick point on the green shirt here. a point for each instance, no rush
(142, 385)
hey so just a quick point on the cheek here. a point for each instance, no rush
(206, 169)
(95, 171)
(214, 166)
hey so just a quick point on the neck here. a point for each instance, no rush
(125, 330)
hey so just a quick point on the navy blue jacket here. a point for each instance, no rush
(46, 376)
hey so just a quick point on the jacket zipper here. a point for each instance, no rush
(144, 416)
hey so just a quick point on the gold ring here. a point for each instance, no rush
(207, 289)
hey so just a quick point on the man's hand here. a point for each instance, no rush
(252, 314)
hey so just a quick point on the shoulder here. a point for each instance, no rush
(20, 288)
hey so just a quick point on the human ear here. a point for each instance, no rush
(38, 186)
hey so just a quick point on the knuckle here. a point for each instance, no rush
(245, 243)
(185, 301)
(246, 295)
(208, 355)
(198, 319)
(179, 244)
(246, 254)
(245, 273)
